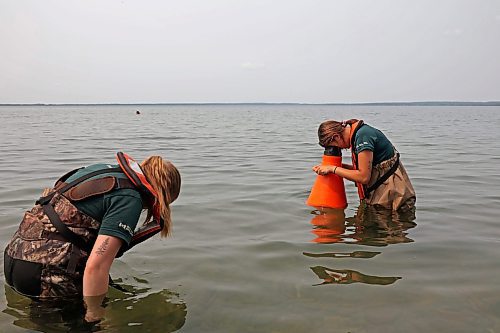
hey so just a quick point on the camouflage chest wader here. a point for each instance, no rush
(47, 255)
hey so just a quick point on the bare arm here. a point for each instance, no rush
(96, 274)
(362, 175)
(347, 166)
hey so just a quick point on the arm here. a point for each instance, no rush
(362, 175)
(347, 166)
(96, 274)
(118, 223)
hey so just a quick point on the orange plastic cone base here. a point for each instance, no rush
(329, 190)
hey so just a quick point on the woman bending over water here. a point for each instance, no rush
(376, 169)
(66, 243)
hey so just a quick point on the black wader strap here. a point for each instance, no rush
(67, 175)
(64, 230)
(384, 177)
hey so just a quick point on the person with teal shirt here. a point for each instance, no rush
(376, 168)
(66, 243)
(118, 210)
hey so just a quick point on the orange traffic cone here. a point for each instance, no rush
(329, 190)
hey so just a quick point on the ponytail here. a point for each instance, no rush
(166, 181)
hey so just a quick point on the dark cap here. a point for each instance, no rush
(333, 151)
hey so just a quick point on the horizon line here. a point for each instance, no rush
(430, 103)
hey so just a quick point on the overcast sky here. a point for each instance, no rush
(311, 51)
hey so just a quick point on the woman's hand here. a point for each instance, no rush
(323, 170)
(362, 175)
(93, 304)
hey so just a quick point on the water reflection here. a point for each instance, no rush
(355, 254)
(329, 225)
(369, 226)
(159, 311)
(347, 276)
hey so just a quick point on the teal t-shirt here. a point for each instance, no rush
(119, 210)
(370, 138)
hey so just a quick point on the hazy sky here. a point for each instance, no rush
(311, 51)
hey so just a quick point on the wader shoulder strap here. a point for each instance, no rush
(385, 176)
(63, 178)
(69, 235)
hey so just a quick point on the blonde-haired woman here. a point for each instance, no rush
(66, 243)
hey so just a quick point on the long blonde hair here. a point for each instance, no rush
(166, 181)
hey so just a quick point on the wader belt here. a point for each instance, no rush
(386, 176)
(62, 188)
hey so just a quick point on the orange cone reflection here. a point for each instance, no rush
(329, 226)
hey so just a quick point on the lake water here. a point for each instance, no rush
(247, 254)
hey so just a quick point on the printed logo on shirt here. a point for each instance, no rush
(126, 228)
(361, 144)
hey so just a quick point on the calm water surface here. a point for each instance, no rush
(247, 255)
